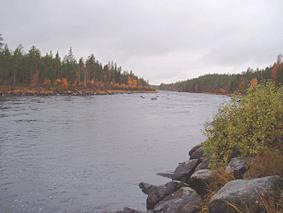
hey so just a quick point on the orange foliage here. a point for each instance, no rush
(276, 68)
(254, 83)
(64, 83)
(274, 73)
(132, 82)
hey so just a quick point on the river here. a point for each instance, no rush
(88, 154)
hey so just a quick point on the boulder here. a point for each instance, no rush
(157, 193)
(185, 200)
(204, 164)
(246, 195)
(201, 180)
(196, 152)
(194, 149)
(185, 170)
(146, 187)
(237, 167)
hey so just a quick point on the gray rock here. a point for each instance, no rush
(194, 149)
(146, 187)
(185, 200)
(204, 164)
(166, 174)
(197, 152)
(201, 180)
(237, 167)
(157, 193)
(246, 194)
(185, 170)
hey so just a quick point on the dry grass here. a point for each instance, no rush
(221, 179)
(267, 205)
(271, 206)
(267, 163)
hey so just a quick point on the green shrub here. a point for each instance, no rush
(247, 125)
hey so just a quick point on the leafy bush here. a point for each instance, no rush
(247, 125)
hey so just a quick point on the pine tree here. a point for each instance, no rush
(17, 59)
(1, 41)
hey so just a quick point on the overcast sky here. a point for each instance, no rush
(160, 40)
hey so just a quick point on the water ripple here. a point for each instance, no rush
(88, 154)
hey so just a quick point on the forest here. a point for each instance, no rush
(230, 83)
(31, 69)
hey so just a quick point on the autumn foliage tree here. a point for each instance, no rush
(18, 68)
(253, 83)
(277, 67)
(229, 83)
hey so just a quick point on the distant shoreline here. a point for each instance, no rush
(41, 91)
(204, 92)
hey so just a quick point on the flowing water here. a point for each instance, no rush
(88, 154)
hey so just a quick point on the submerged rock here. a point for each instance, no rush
(201, 180)
(166, 174)
(157, 193)
(246, 195)
(128, 210)
(185, 200)
(237, 167)
(183, 171)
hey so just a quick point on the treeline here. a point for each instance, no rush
(229, 83)
(20, 68)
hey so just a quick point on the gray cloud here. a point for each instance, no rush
(161, 40)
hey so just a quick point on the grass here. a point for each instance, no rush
(267, 163)
(221, 178)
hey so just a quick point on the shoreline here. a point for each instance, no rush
(205, 92)
(193, 187)
(41, 91)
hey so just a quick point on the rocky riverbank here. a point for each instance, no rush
(196, 188)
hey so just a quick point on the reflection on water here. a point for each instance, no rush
(88, 154)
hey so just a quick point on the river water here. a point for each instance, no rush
(88, 154)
